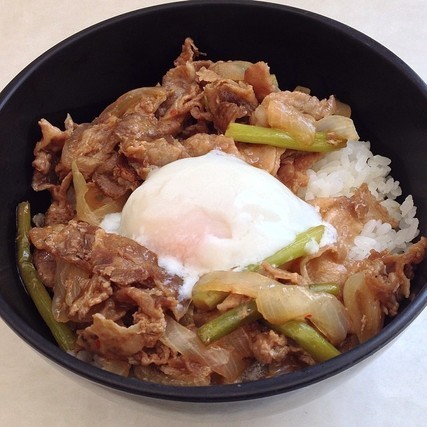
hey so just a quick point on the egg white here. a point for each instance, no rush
(213, 212)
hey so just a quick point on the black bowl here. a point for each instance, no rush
(87, 71)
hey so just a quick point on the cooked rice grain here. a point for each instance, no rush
(341, 172)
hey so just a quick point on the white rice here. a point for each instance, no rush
(341, 172)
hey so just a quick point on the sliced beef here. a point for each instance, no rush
(76, 293)
(293, 168)
(389, 275)
(259, 77)
(47, 153)
(118, 259)
(107, 338)
(228, 101)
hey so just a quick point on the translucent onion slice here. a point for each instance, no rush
(238, 341)
(184, 341)
(288, 118)
(363, 308)
(130, 101)
(282, 303)
(119, 367)
(279, 303)
(234, 70)
(342, 126)
(342, 109)
(154, 375)
(101, 205)
(238, 282)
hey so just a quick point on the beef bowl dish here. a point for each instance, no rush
(196, 215)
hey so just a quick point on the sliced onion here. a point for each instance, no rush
(302, 89)
(238, 282)
(238, 341)
(90, 212)
(130, 100)
(234, 70)
(279, 303)
(220, 360)
(154, 375)
(259, 116)
(342, 109)
(282, 303)
(364, 309)
(119, 367)
(284, 116)
(340, 125)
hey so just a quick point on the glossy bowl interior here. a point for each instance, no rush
(89, 70)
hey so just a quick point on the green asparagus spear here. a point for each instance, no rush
(309, 339)
(293, 251)
(302, 333)
(280, 138)
(245, 313)
(330, 288)
(207, 300)
(228, 322)
(37, 291)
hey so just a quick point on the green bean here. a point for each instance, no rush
(293, 251)
(34, 286)
(280, 138)
(309, 339)
(228, 322)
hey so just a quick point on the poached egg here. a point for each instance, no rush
(209, 213)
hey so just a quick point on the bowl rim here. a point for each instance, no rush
(230, 392)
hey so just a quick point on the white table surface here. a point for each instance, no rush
(389, 391)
